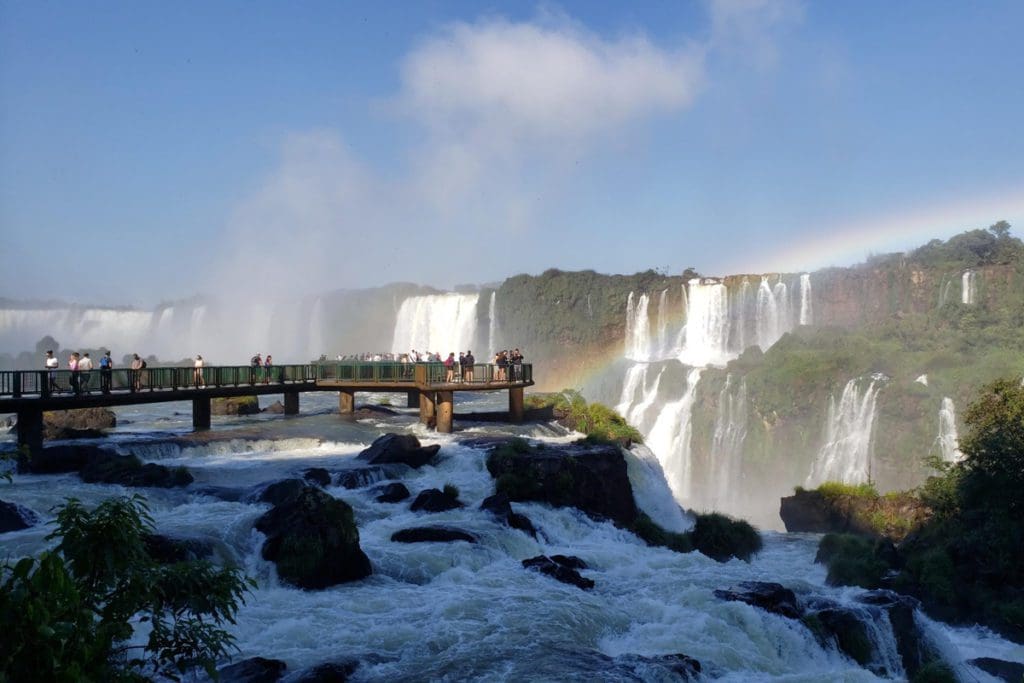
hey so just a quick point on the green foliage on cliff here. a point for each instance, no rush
(597, 421)
(971, 249)
(69, 614)
(853, 560)
(718, 536)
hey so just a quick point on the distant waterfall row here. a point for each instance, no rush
(968, 288)
(443, 323)
(711, 324)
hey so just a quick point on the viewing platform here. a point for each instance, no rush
(428, 386)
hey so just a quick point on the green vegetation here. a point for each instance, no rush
(721, 537)
(451, 491)
(853, 560)
(654, 535)
(833, 489)
(597, 421)
(69, 613)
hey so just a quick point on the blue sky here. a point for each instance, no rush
(155, 151)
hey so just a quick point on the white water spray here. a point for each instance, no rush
(670, 439)
(805, 299)
(968, 284)
(492, 325)
(846, 453)
(439, 323)
(727, 443)
(948, 440)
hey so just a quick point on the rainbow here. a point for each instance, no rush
(847, 243)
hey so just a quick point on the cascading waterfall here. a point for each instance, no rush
(805, 299)
(670, 439)
(846, 453)
(967, 286)
(663, 322)
(944, 292)
(492, 324)
(638, 328)
(707, 325)
(439, 323)
(948, 441)
(727, 443)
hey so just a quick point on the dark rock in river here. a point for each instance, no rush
(14, 517)
(168, 550)
(328, 672)
(253, 670)
(678, 666)
(913, 644)
(359, 477)
(815, 512)
(313, 539)
(230, 494)
(499, 506)
(318, 476)
(276, 408)
(435, 500)
(589, 477)
(59, 459)
(78, 423)
(771, 597)
(278, 492)
(561, 572)
(1012, 672)
(392, 493)
(399, 448)
(128, 470)
(432, 534)
(235, 405)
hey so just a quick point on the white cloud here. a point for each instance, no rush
(750, 29)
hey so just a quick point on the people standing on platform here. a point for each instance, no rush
(52, 364)
(84, 367)
(470, 362)
(137, 365)
(517, 366)
(268, 368)
(197, 373)
(449, 368)
(255, 363)
(106, 374)
(75, 377)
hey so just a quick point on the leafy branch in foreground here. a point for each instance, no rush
(70, 614)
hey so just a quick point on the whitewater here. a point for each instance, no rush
(459, 611)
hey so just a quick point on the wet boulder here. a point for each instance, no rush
(432, 534)
(61, 459)
(313, 540)
(915, 648)
(275, 408)
(235, 405)
(589, 477)
(328, 672)
(436, 500)
(1012, 672)
(392, 493)
(14, 517)
(128, 470)
(399, 448)
(278, 492)
(500, 506)
(360, 477)
(891, 517)
(318, 476)
(169, 550)
(253, 670)
(78, 423)
(677, 667)
(771, 597)
(558, 571)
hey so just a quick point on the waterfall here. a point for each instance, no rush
(727, 443)
(944, 292)
(707, 325)
(663, 320)
(492, 324)
(948, 441)
(805, 299)
(638, 328)
(846, 453)
(670, 439)
(439, 323)
(967, 287)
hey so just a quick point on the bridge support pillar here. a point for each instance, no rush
(346, 401)
(201, 413)
(30, 430)
(515, 404)
(412, 398)
(427, 407)
(291, 403)
(444, 411)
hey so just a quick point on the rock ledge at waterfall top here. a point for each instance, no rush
(892, 516)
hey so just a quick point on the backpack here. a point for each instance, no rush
(105, 363)
(143, 365)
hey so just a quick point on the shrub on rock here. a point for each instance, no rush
(721, 537)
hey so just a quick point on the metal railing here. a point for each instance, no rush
(53, 383)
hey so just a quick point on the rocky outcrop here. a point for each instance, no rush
(128, 470)
(328, 672)
(817, 512)
(14, 517)
(771, 597)
(275, 408)
(560, 568)
(500, 506)
(358, 477)
(77, 424)
(313, 540)
(392, 493)
(589, 477)
(252, 670)
(399, 448)
(436, 500)
(60, 459)
(432, 534)
(279, 491)
(1012, 672)
(318, 476)
(169, 550)
(235, 405)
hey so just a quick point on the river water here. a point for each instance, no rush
(459, 611)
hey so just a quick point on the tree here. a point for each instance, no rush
(69, 613)
(1001, 230)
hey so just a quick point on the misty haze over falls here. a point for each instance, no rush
(672, 339)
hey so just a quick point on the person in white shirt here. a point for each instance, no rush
(51, 365)
(198, 372)
(84, 366)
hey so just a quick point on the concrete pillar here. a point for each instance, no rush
(426, 407)
(291, 403)
(515, 404)
(30, 430)
(412, 399)
(444, 411)
(201, 413)
(346, 401)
